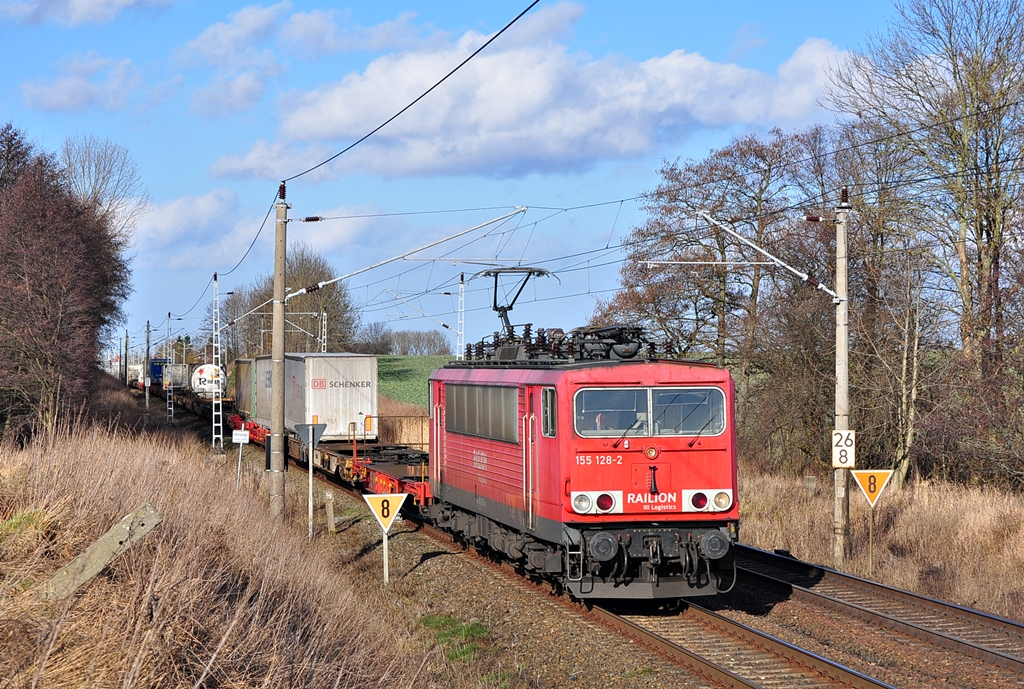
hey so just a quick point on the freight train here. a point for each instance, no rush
(593, 458)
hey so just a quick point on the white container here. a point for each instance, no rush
(337, 389)
(206, 379)
(175, 376)
(134, 372)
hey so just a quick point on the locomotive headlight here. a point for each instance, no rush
(699, 500)
(722, 500)
(651, 452)
(605, 502)
(581, 503)
(603, 547)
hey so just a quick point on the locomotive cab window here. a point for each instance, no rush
(688, 411)
(547, 410)
(615, 411)
(625, 412)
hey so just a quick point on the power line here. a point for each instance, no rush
(318, 218)
(417, 100)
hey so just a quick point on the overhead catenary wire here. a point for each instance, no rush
(807, 200)
(417, 99)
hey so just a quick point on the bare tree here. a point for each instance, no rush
(375, 338)
(710, 304)
(949, 79)
(421, 343)
(103, 175)
(15, 154)
(62, 279)
(250, 336)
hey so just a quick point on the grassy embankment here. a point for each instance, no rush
(216, 595)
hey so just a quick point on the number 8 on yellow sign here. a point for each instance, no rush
(385, 507)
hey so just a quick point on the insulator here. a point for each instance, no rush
(497, 339)
(542, 339)
(480, 349)
(651, 350)
(469, 351)
(281, 191)
(844, 196)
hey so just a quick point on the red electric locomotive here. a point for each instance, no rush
(591, 458)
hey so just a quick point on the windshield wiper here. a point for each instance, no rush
(695, 408)
(702, 429)
(621, 437)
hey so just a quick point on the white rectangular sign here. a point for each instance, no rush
(844, 449)
(240, 437)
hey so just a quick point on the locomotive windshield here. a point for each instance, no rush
(650, 411)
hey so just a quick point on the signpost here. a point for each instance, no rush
(385, 507)
(872, 482)
(309, 434)
(239, 438)
(844, 449)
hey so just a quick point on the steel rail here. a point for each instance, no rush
(734, 654)
(973, 633)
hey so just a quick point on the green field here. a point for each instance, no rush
(404, 378)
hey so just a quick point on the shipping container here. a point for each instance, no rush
(134, 373)
(174, 376)
(337, 389)
(245, 391)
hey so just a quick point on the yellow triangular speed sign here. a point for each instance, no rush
(385, 507)
(872, 482)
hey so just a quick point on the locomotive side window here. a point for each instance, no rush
(548, 408)
(607, 412)
(688, 411)
(487, 411)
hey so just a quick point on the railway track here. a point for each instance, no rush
(990, 639)
(733, 654)
(708, 644)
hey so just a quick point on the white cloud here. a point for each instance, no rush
(87, 81)
(242, 68)
(169, 224)
(226, 95)
(72, 12)
(527, 104)
(318, 33)
(228, 42)
(275, 161)
(329, 235)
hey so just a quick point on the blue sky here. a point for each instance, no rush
(576, 105)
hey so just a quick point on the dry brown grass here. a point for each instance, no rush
(964, 545)
(402, 423)
(216, 595)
